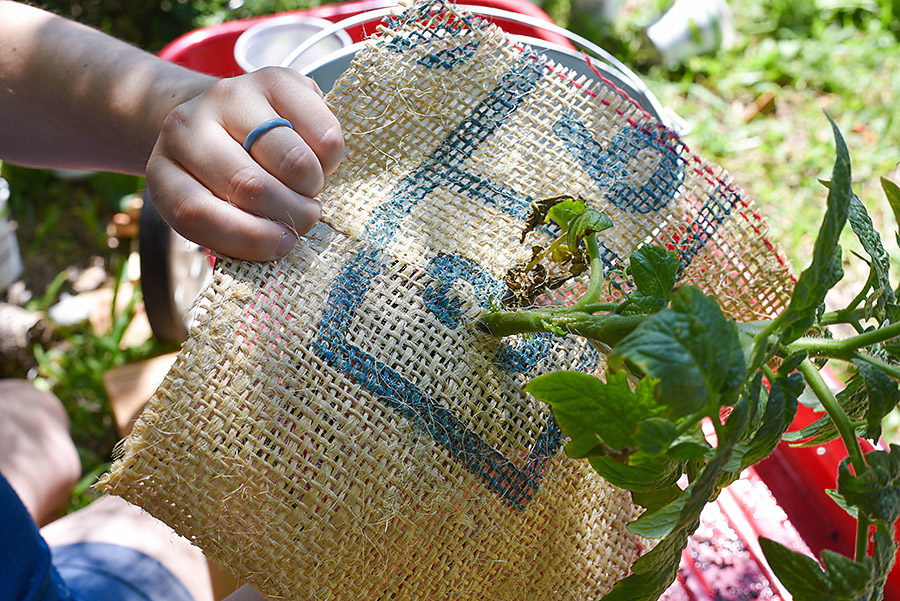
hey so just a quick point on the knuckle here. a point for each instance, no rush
(275, 78)
(177, 121)
(303, 166)
(331, 148)
(245, 185)
(307, 81)
(222, 90)
(185, 216)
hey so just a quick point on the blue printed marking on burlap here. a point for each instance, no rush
(444, 166)
(720, 205)
(612, 165)
(523, 356)
(440, 301)
(609, 167)
(448, 57)
(443, 28)
(446, 270)
(512, 482)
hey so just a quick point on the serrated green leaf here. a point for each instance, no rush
(853, 401)
(642, 473)
(641, 304)
(883, 557)
(876, 492)
(587, 222)
(590, 411)
(685, 451)
(698, 493)
(882, 393)
(842, 580)
(870, 239)
(692, 348)
(655, 499)
(563, 212)
(663, 521)
(868, 397)
(654, 270)
(655, 434)
(892, 191)
(825, 269)
(654, 572)
(841, 502)
(777, 415)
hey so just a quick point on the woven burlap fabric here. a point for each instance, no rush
(334, 427)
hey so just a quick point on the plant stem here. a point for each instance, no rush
(836, 413)
(848, 435)
(862, 535)
(845, 348)
(844, 316)
(861, 296)
(607, 329)
(595, 307)
(595, 283)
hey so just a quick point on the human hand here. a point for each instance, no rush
(245, 205)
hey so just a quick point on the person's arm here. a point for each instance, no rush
(73, 97)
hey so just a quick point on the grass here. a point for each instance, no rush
(809, 56)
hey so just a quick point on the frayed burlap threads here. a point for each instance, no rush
(333, 427)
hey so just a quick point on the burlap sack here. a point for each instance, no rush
(334, 428)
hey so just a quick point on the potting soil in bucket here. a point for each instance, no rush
(336, 428)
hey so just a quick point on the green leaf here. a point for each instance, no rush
(876, 492)
(892, 191)
(588, 222)
(882, 393)
(842, 580)
(698, 493)
(663, 521)
(655, 571)
(590, 411)
(869, 396)
(642, 304)
(825, 269)
(852, 400)
(692, 348)
(642, 473)
(654, 270)
(841, 502)
(869, 238)
(883, 557)
(563, 212)
(654, 435)
(778, 414)
(685, 451)
(652, 500)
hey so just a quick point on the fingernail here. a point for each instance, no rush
(286, 244)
